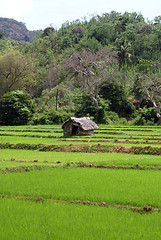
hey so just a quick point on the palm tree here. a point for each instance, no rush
(124, 54)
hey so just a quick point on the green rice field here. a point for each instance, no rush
(52, 187)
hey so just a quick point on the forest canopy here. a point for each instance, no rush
(106, 67)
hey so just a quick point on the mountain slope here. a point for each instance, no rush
(16, 30)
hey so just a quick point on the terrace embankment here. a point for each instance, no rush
(85, 148)
(49, 165)
(142, 210)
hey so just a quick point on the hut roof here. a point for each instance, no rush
(85, 123)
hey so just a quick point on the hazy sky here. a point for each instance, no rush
(39, 14)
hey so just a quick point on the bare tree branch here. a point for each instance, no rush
(154, 104)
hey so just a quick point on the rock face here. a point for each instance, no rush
(79, 126)
(16, 30)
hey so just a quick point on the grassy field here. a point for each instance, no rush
(67, 157)
(58, 193)
(49, 220)
(126, 187)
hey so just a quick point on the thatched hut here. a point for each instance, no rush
(79, 126)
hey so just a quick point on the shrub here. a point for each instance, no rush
(113, 118)
(16, 108)
(146, 116)
(50, 117)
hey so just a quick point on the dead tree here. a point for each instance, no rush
(91, 69)
(151, 86)
(157, 106)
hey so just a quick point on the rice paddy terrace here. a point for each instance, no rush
(106, 186)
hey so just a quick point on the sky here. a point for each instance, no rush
(39, 14)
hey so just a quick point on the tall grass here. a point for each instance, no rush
(128, 187)
(29, 220)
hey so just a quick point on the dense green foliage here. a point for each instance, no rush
(16, 108)
(50, 117)
(118, 98)
(146, 116)
(115, 56)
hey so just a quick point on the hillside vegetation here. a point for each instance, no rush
(108, 67)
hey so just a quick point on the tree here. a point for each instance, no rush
(124, 52)
(48, 31)
(15, 71)
(157, 19)
(1, 35)
(16, 108)
(77, 33)
(153, 101)
(90, 69)
(53, 78)
(84, 106)
(117, 96)
(150, 88)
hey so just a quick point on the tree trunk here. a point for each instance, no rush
(93, 98)
(57, 100)
(95, 101)
(124, 76)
